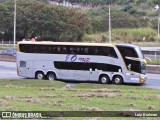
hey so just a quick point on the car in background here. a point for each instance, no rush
(9, 51)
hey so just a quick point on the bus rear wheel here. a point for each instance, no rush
(51, 76)
(104, 79)
(40, 75)
(117, 80)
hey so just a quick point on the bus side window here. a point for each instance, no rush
(112, 53)
(96, 51)
(131, 52)
(91, 50)
(72, 50)
(54, 50)
(63, 50)
(23, 48)
(86, 52)
(22, 63)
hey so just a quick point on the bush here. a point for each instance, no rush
(119, 20)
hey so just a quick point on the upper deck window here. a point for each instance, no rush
(128, 52)
(68, 49)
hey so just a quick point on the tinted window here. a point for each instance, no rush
(22, 63)
(128, 52)
(86, 66)
(80, 50)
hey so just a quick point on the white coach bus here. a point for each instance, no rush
(78, 61)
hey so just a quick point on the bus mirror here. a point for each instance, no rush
(148, 60)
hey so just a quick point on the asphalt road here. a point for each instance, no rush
(8, 71)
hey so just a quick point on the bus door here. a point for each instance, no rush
(22, 68)
(94, 74)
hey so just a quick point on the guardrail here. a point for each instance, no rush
(9, 58)
(153, 69)
(149, 52)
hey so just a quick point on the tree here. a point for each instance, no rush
(48, 22)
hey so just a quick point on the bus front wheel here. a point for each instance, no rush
(104, 79)
(40, 75)
(51, 76)
(117, 80)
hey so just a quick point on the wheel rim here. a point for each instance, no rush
(103, 79)
(51, 77)
(40, 76)
(117, 80)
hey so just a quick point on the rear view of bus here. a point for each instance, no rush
(135, 62)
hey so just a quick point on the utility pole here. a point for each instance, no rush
(156, 8)
(110, 39)
(158, 23)
(14, 36)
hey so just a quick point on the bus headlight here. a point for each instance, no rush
(143, 68)
(142, 79)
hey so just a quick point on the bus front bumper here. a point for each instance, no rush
(142, 78)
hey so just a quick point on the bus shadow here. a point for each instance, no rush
(72, 82)
(133, 84)
(95, 82)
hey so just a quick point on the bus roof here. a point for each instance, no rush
(127, 45)
(66, 43)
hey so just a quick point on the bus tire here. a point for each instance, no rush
(51, 76)
(117, 79)
(39, 75)
(104, 79)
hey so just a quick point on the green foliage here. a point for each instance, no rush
(48, 22)
(130, 9)
(135, 35)
(122, 35)
(136, 32)
(120, 20)
(155, 62)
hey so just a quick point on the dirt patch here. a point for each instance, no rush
(104, 90)
(104, 95)
(93, 109)
(85, 95)
(50, 96)
(2, 101)
(31, 100)
(47, 89)
(157, 96)
(28, 97)
(151, 108)
(107, 95)
(73, 90)
(9, 98)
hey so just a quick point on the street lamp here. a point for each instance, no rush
(110, 40)
(156, 8)
(14, 36)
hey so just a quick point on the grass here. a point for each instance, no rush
(141, 36)
(6, 46)
(155, 61)
(34, 95)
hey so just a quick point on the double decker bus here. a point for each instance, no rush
(100, 62)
